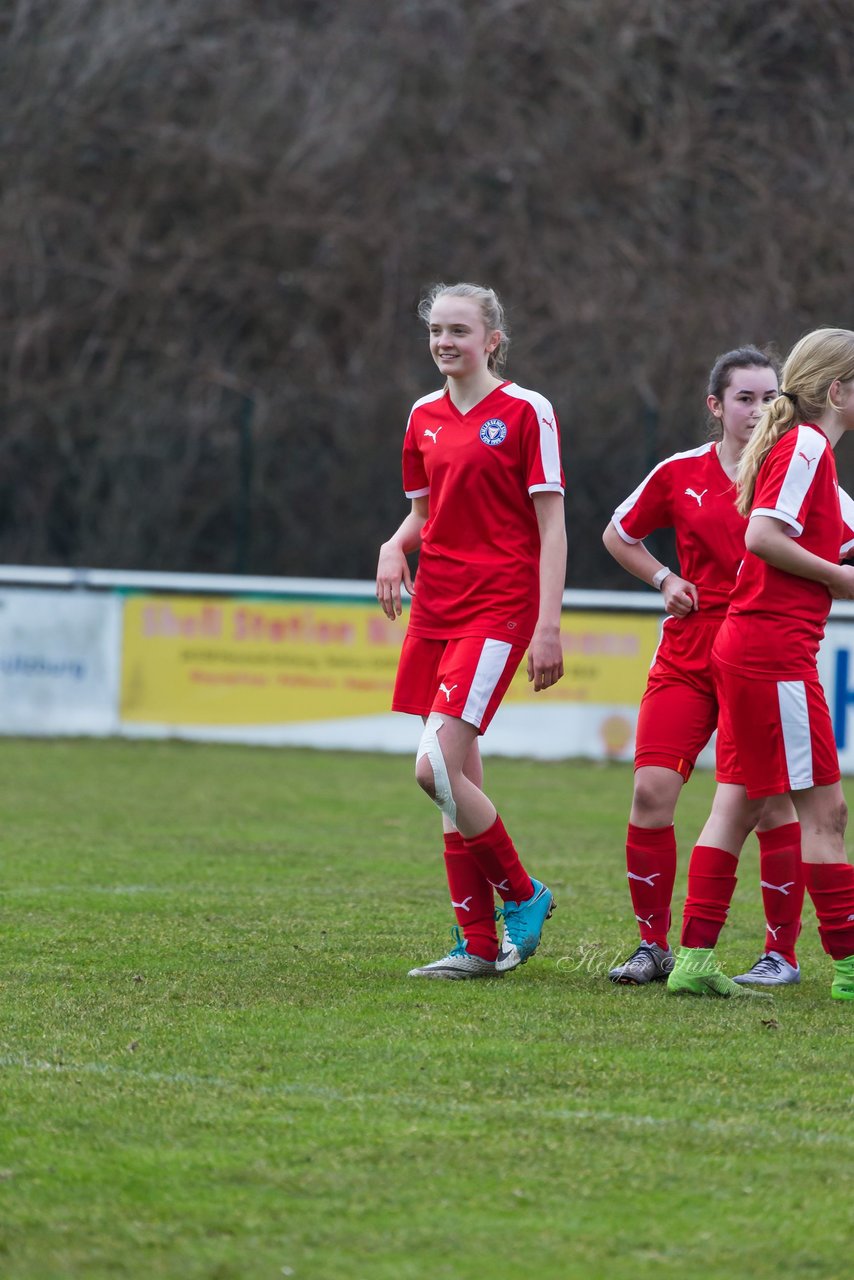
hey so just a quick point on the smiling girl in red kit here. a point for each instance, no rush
(482, 468)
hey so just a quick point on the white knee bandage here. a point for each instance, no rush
(429, 746)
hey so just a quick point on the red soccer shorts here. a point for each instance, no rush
(679, 710)
(465, 678)
(779, 730)
(675, 721)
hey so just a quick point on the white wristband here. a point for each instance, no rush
(658, 578)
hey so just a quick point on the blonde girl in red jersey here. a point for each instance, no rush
(481, 465)
(773, 709)
(694, 493)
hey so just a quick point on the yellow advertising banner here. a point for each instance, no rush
(606, 659)
(201, 660)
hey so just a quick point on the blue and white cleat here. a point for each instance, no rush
(523, 927)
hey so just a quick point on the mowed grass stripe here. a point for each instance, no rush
(214, 1066)
(414, 1105)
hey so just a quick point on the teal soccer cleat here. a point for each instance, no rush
(523, 927)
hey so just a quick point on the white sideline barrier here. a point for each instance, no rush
(59, 662)
(310, 662)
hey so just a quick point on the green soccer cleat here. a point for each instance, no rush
(842, 987)
(697, 973)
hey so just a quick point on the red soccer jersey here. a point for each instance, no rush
(692, 494)
(776, 620)
(478, 568)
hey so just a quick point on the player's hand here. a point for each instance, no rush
(842, 587)
(545, 658)
(392, 569)
(680, 596)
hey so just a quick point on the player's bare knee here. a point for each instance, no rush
(830, 824)
(743, 823)
(839, 818)
(431, 770)
(648, 809)
(425, 777)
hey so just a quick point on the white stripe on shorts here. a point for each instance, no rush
(490, 666)
(797, 741)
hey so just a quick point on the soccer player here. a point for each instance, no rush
(482, 467)
(694, 494)
(773, 710)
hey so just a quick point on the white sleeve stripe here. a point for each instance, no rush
(434, 395)
(626, 505)
(549, 454)
(546, 488)
(800, 473)
(633, 542)
(782, 516)
(416, 493)
(428, 399)
(549, 451)
(631, 501)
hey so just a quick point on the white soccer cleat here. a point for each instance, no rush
(770, 970)
(457, 963)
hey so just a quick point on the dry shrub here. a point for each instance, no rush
(217, 217)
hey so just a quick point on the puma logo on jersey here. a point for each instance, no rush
(464, 905)
(808, 461)
(443, 688)
(780, 888)
(630, 875)
(433, 434)
(550, 422)
(699, 496)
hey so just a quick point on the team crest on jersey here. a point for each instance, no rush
(493, 432)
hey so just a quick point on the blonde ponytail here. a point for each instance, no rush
(778, 417)
(812, 366)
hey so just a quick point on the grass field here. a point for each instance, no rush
(214, 1066)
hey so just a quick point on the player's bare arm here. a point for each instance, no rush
(768, 539)
(679, 595)
(393, 566)
(545, 654)
(842, 587)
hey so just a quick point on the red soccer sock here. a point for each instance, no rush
(471, 898)
(782, 879)
(711, 884)
(831, 887)
(651, 870)
(497, 858)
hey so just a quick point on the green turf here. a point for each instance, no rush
(214, 1066)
